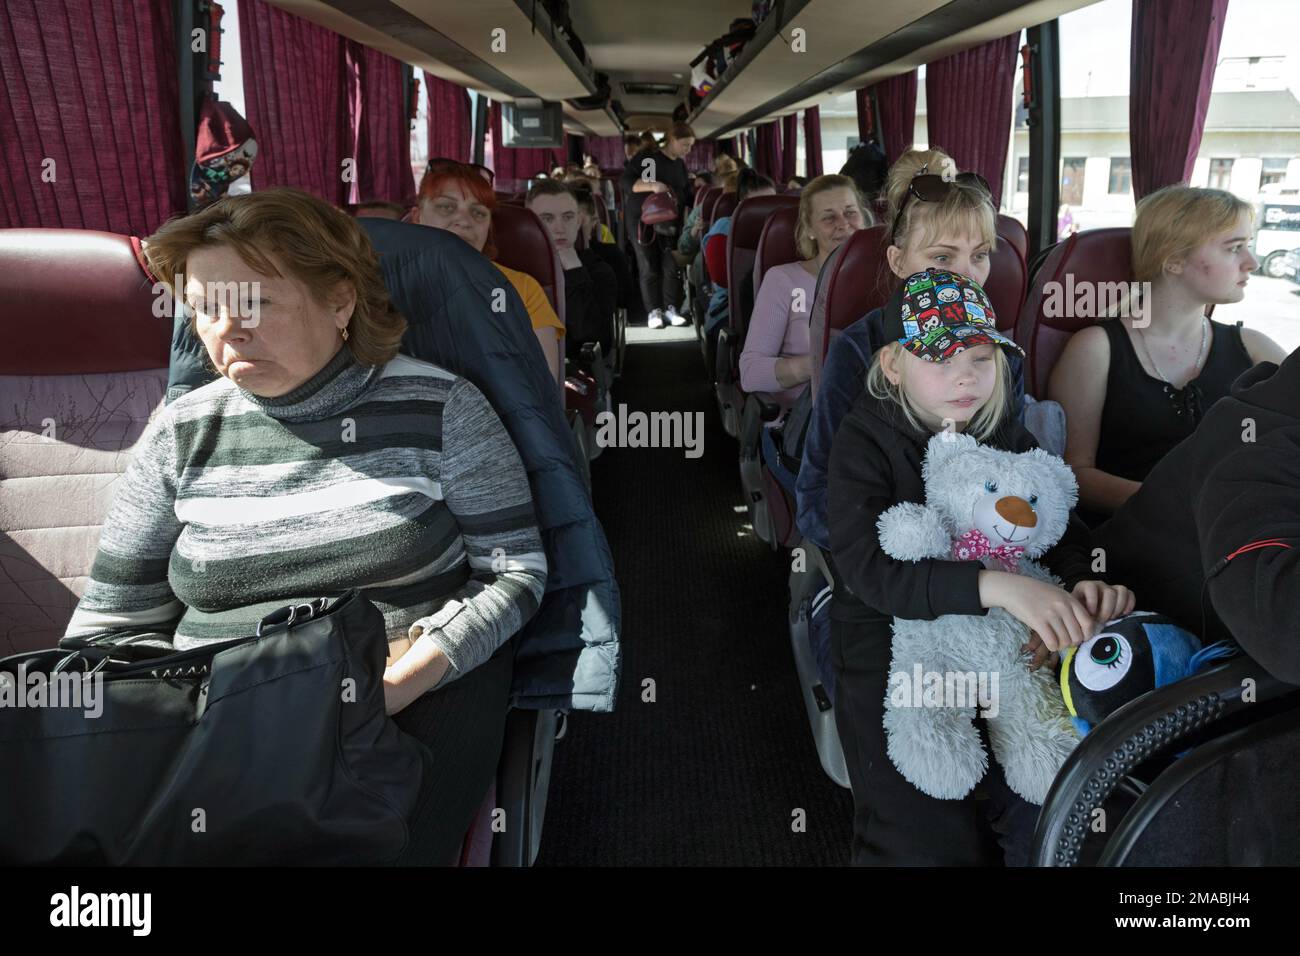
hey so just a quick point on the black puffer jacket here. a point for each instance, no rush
(1234, 481)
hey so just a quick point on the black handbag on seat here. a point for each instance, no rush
(269, 749)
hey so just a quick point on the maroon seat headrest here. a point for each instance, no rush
(707, 210)
(1072, 268)
(860, 281)
(725, 206)
(1006, 284)
(78, 302)
(747, 224)
(706, 196)
(776, 243)
(1010, 230)
(523, 244)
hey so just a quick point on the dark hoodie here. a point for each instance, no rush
(1235, 480)
(875, 463)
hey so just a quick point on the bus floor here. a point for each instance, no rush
(707, 758)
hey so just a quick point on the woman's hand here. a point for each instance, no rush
(794, 370)
(1059, 619)
(413, 673)
(1105, 602)
(697, 229)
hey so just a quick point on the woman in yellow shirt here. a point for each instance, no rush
(461, 201)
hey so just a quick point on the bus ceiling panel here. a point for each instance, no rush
(486, 45)
(639, 43)
(841, 50)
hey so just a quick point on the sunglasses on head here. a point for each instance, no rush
(931, 187)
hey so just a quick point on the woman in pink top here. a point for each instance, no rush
(776, 357)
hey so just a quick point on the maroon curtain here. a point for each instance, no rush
(297, 97)
(607, 151)
(701, 155)
(896, 99)
(515, 166)
(1170, 86)
(789, 147)
(384, 140)
(450, 125)
(812, 141)
(89, 132)
(866, 121)
(767, 151)
(968, 97)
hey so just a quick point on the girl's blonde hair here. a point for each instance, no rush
(807, 247)
(312, 241)
(1173, 221)
(966, 210)
(982, 425)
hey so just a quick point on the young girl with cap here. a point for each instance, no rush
(944, 366)
(945, 222)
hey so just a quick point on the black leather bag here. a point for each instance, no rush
(269, 749)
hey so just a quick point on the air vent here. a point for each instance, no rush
(651, 89)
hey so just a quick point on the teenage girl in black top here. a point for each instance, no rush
(1133, 387)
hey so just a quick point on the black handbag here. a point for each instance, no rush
(269, 749)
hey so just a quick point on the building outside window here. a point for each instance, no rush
(1221, 174)
(1072, 172)
(1022, 174)
(1273, 171)
(1121, 175)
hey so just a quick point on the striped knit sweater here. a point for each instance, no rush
(399, 480)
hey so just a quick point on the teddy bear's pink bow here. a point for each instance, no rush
(973, 545)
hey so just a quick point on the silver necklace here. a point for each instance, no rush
(1205, 337)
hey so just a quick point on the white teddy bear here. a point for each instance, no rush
(1003, 508)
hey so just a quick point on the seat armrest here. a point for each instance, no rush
(760, 407)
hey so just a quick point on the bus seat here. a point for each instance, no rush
(524, 245)
(1209, 723)
(707, 210)
(771, 509)
(776, 243)
(1007, 282)
(1011, 230)
(1092, 256)
(724, 206)
(748, 222)
(82, 371)
(706, 196)
(854, 281)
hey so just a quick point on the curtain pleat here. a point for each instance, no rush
(968, 102)
(812, 139)
(451, 127)
(89, 132)
(298, 102)
(1170, 86)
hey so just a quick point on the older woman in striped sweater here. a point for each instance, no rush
(322, 460)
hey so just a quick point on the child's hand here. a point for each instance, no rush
(1039, 654)
(1105, 602)
(1059, 619)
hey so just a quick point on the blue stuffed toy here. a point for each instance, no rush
(1130, 656)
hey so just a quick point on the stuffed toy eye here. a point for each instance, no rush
(1033, 499)
(1102, 662)
(990, 486)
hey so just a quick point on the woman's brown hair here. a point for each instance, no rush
(282, 230)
